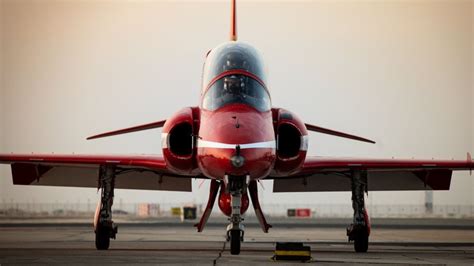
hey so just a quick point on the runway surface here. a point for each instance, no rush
(169, 244)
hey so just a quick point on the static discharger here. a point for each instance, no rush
(292, 251)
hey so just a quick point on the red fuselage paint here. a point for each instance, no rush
(225, 202)
(237, 127)
(229, 126)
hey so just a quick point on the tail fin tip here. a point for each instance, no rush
(233, 22)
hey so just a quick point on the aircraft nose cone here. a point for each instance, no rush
(236, 140)
(237, 161)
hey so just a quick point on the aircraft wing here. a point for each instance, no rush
(333, 174)
(135, 172)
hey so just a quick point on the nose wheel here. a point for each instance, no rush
(235, 238)
(235, 230)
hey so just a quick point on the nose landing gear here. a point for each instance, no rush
(237, 185)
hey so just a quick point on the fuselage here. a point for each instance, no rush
(236, 135)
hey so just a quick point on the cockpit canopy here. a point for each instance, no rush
(234, 73)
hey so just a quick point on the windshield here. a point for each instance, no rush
(231, 56)
(236, 89)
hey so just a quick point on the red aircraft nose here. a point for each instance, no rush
(236, 140)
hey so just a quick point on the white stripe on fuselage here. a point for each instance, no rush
(219, 145)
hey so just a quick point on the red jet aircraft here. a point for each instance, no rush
(234, 138)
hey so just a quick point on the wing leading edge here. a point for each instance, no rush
(135, 172)
(333, 174)
(328, 131)
(148, 126)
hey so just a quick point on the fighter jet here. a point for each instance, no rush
(235, 138)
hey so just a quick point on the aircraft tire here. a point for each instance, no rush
(102, 238)
(361, 243)
(235, 242)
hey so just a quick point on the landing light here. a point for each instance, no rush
(237, 161)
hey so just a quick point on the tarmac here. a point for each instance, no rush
(172, 242)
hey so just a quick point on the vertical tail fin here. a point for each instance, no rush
(233, 22)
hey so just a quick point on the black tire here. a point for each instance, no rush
(102, 238)
(235, 242)
(361, 243)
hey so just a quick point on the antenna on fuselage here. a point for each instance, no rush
(233, 22)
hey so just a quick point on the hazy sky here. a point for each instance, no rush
(399, 72)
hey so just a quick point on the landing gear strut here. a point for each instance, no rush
(105, 229)
(359, 230)
(236, 185)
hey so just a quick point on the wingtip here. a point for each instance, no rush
(97, 136)
(371, 141)
(365, 140)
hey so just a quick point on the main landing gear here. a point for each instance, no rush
(105, 229)
(236, 185)
(359, 230)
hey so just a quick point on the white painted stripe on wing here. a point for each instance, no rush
(219, 145)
